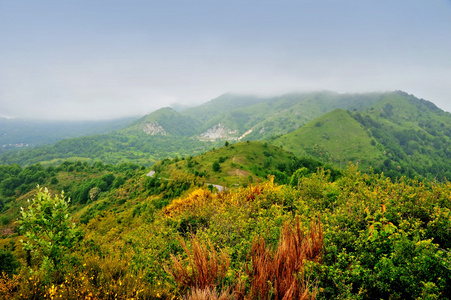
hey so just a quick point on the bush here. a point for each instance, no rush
(8, 262)
(216, 166)
(48, 229)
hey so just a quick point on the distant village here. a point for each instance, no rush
(19, 145)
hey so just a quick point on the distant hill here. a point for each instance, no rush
(222, 105)
(165, 121)
(261, 118)
(111, 148)
(394, 132)
(398, 135)
(20, 133)
(238, 164)
(335, 137)
(161, 134)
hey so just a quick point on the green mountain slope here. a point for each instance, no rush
(220, 106)
(415, 134)
(289, 112)
(239, 164)
(231, 165)
(279, 115)
(393, 132)
(113, 148)
(399, 135)
(161, 134)
(335, 138)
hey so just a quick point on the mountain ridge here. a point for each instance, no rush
(391, 132)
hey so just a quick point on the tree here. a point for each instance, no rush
(47, 226)
(296, 177)
(8, 263)
(216, 166)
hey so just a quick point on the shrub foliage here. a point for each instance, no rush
(359, 236)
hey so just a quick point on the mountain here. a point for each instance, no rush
(222, 105)
(161, 134)
(237, 164)
(165, 121)
(112, 148)
(335, 137)
(398, 135)
(394, 132)
(261, 118)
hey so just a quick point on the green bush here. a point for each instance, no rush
(8, 262)
(48, 229)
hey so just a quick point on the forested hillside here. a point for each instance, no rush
(165, 121)
(113, 148)
(335, 138)
(392, 132)
(399, 135)
(252, 118)
(242, 163)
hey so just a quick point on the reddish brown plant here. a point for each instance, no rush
(283, 272)
(205, 269)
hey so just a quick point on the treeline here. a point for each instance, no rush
(423, 151)
(111, 148)
(14, 178)
(77, 179)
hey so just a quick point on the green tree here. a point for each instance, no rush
(48, 230)
(8, 263)
(296, 177)
(216, 166)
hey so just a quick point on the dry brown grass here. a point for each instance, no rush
(281, 276)
(205, 269)
(262, 270)
(254, 191)
(275, 274)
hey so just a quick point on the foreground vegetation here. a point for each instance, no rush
(354, 236)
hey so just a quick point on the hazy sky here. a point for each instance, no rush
(98, 59)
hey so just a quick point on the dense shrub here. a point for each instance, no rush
(378, 238)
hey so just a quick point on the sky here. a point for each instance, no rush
(103, 59)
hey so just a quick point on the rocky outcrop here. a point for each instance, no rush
(244, 134)
(219, 131)
(154, 129)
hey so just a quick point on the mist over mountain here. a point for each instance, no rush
(391, 132)
(20, 133)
